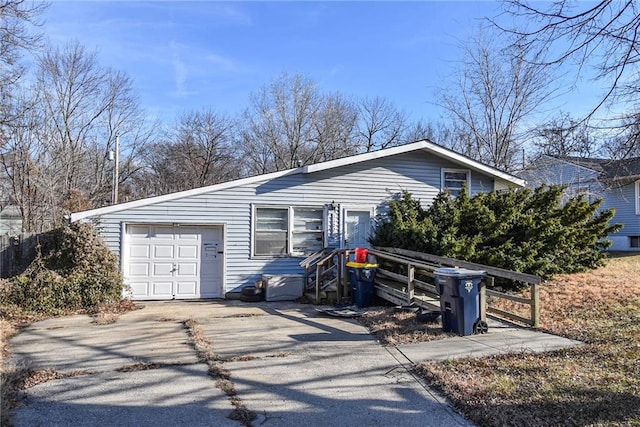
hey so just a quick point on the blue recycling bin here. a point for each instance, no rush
(459, 291)
(362, 278)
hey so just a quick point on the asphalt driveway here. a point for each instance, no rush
(289, 364)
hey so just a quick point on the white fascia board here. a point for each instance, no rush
(420, 145)
(77, 216)
(466, 161)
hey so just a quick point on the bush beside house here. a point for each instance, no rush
(530, 231)
(73, 270)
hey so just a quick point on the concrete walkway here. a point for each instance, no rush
(289, 364)
(502, 338)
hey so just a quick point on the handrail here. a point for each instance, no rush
(494, 271)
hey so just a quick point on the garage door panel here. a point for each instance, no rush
(139, 251)
(187, 289)
(189, 234)
(139, 289)
(163, 251)
(139, 231)
(163, 289)
(138, 269)
(163, 269)
(188, 252)
(187, 269)
(164, 232)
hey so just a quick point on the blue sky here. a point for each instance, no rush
(191, 55)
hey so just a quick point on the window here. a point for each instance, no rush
(634, 241)
(454, 179)
(282, 231)
(307, 236)
(271, 231)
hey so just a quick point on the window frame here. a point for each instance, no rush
(443, 180)
(638, 197)
(291, 231)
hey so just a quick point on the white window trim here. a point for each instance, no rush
(638, 197)
(445, 170)
(290, 219)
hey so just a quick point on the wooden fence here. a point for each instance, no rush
(16, 252)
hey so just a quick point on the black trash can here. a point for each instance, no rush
(459, 291)
(362, 278)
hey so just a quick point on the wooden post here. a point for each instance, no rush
(318, 283)
(411, 272)
(339, 278)
(483, 298)
(535, 305)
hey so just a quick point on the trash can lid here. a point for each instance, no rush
(361, 265)
(457, 272)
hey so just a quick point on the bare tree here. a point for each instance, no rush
(19, 165)
(196, 152)
(381, 124)
(335, 128)
(602, 37)
(17, 19)
(495, 90)
(279, 125)
(564, 136)
(83, 107)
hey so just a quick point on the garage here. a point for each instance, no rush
(173, 261)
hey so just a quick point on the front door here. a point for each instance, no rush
(357, 228)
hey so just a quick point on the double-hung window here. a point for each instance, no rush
(287, 231)
(454, 180)
(271, 231)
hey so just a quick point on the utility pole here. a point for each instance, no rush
(116, 169)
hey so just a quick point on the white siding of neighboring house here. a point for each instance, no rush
(623, 200)
(369, 183)
(580, 180)
(548, 170)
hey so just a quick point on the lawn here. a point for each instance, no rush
(597, 384)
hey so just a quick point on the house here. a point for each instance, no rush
(10, 220)
(617, 182)
(210, 242)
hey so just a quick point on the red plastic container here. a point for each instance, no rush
(361, 255)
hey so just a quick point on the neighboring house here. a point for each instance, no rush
(211, 241)
(617, 182)
(10, 221)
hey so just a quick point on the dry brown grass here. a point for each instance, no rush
(394, 328)
(596, 384)
(140, 366)
(219, 373)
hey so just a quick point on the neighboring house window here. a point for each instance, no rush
(454, 179)
(634, 241)
(282, 231)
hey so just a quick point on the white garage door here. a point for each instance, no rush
(173, 261)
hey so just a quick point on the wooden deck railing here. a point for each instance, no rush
(434, 261)
(410, 282)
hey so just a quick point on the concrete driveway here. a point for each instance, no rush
(289, 364)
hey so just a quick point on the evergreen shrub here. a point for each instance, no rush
(529, 231)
